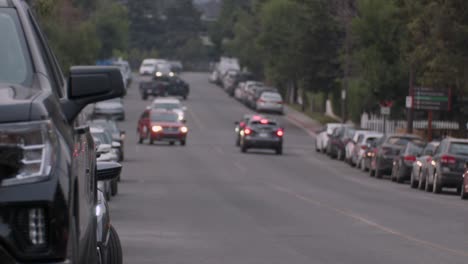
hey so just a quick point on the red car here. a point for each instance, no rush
(161, 125)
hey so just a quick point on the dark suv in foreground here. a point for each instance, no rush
(47, 184)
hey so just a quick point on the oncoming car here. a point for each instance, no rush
(170, 104)
(161, 125)
(262, 134)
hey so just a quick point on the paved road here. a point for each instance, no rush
(207, 203)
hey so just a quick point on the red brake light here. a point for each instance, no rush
(448, 159)
(363, 147)
(247, 131)
(429, 159)
(260, 101)
(280, 102)
(410, 158)
(280, 133)
(256, 117)
(242, 124)
(264, 121)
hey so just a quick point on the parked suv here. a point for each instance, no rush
(48, 190)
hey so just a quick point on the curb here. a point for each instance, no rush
(301, 125)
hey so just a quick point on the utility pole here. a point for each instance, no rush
(345, 89)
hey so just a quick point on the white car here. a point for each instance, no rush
(321, 141)
(148, 66)
(172, 104)
(125, 70)
(360, 149)
(350, 146)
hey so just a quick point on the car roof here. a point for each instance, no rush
(94, 130)
(460, 140)
(166, 100)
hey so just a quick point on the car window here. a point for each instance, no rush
(271, 96)
(167, 106)
(402, 141)
(15, 62)
(458, 148)
(164, 117)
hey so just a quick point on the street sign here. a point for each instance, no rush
(409, 101)
(384, 110)
(432, 99)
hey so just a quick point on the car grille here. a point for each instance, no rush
(171, 129)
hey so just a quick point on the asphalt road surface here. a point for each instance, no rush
(207, 203)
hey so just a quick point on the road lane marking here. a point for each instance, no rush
(370, 223)
(196, 120)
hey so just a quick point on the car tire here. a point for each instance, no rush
(183, 142)
(171, 143)
(243, 148)
(144, 97)
(140, 139)
(363, 165)
(371, 172)
(114, 187)
(427, 186)
(399, 176)
(114, 252)
(421, 182)
(392, 176)
(413, 182)
(339, 155)
(436, 187)
(279, 151)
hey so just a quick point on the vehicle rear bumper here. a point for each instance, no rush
(263, 143)
(451, 179)
(385, 164)
(278, 108)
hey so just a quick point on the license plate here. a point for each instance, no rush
(264, 135)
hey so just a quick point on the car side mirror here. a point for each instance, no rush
(122, 134)
(107, 171)
(91, 84)
(116, 144)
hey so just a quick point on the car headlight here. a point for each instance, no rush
(184, 129)
(27, 152)
(171, 74)
(157, 128)
(158, 74)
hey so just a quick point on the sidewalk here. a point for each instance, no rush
(302, 121)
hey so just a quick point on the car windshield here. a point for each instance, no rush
(15, 63)
(167, 106)
(164, 117)
(103, 137)
(459, 148)
(112, 126)
(271, 96)
(403, 141)
(148, 65)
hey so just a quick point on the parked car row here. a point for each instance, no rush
(254, 94)
(430, 166)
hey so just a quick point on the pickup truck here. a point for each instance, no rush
(164, 86)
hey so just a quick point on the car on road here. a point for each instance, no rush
(464, 185)
(420, 167)
(47, 187)
(250, 89)
(262, 134)
(161, 125)
(392, 145)
(149, 66)
(447, 165)
(340, 137)
(403, 162)
(229, 80)
(171, 104)
(117, 134)
(126, 71)
(111, 109)
(351, 145)
(178, 87)
(240, 125)
(270, 101)
(323, 136)
(363, 142)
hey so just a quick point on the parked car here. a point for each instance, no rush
(360, 149)
(161, 125)
(176, 66)
(447, 165)
(250, 89)
(420, 167)
(403, 162)
(370, 153)
(111, 109)
(323, 135)
(240, 77)
(270, 101)
(350, 146)
(464, 186)
(338, 140)
(48, 190)
(108, 241)
(262, 134)
(382, 161)
(229, 79)
(125, 70)
(118, 135)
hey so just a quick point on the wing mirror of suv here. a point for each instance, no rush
(116, 144)
(103, 148)
(91, 84)
(122, 134)
(107, 171)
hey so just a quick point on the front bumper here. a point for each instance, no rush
(161, 136)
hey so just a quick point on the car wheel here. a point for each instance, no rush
(339, 155)
(413, 182)
(114, 187)
(114, 252)
(243, 148)
(392, 176)
(371, 172)
(436, 187)
(421, 181)
(399, 175)
(427, 186)
(183, 142)
(171, 143)
(140, 139)
(363, 165)
(279, 151)
(378, 172)
(463, 194)
(237, 141)
(151, 140)
(73, 248)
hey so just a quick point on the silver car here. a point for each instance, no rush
(270, 102)
(110, 109)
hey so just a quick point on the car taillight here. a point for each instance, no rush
(386, 150)
(247, 131)
(446, 159)
(363, 147)
(410, 158)
(260, 101)
(280, 102)
(280, 133)
(27, 152)
(242, 124)
(264, 121)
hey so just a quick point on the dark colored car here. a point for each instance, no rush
(161, 125)
(110, 109)
(164, 86)
(420, 167)
(403, 162)
(392, 145)
(240, 125)
(464, 185)
(240, 77)
(338, 140)
(370, 152)
(262, 134)
(48, 188)
(447, 165)
(118, 135)
(178, 87)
